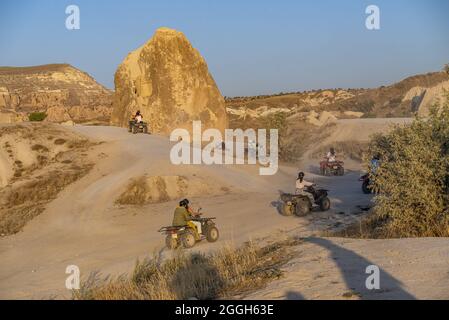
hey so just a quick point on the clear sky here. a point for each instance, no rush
(251, 46)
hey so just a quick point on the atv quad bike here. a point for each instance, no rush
(302, 205)
(334, 168)
(141, 127)
(187, 236)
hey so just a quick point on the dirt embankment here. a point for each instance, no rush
(37, 162)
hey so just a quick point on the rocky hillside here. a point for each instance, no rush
(411, 95)
(169, 82)
(61, 91)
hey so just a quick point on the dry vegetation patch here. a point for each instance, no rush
(224, 274)
(156, 189)
(50, 167)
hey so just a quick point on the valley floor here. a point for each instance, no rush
(85, 227)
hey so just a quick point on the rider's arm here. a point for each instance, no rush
(307, 183)
(192, 213)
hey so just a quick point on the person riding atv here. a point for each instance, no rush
(331, 155)
(183, 216)
(188, 228)
(136, 124)
(330, 165)
(301, 184)
(306, 198)
(366, 178)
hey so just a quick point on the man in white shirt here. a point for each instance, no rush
(301, 184)
(138, 117)
(331, 156)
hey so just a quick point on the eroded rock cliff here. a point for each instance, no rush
(60, 90)
(169, 82)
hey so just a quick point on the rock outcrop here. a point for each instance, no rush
(60, 90)
(169, 82)
(432, 96)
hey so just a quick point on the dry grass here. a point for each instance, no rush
(224, 274)
(376, 226)
(135, 193)
(36, 184)
(24, 202)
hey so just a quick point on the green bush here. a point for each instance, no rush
(413, 178)
(37, 116)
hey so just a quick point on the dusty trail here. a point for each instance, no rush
(84, 227)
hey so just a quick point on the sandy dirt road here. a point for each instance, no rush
(85, 227)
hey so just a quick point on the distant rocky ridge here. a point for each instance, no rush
(403, 99)
(169, 82)
(63, 92)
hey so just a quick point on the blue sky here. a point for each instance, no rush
(251, 46)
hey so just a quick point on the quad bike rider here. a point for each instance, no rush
(136, 124)
(331, 166)
(366, 181)
(306, 198)
(188, 228)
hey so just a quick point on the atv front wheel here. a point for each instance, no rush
(287, 209)
(188, 239)
(135, 129)
(327, 171)
(212, 234)
(302, 208)
(145, 130)
(366, 188)
(325, 204)
(172, 243)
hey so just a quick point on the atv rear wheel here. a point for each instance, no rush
(302, 208)
(188, 239)
(341, 171)
(212, 234)
(172, 243)
(287, 209)
(325, 204)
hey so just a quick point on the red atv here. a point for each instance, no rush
(332, 168)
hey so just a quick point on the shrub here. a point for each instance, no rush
(37, 116)
(412, 182)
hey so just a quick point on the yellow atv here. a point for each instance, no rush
(188, 235)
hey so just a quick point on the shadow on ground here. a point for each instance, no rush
(353, 270)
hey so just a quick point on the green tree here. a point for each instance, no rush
(37, 116)
(412, 180)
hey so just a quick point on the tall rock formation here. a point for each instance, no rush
(169, 82)
(60, 90)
